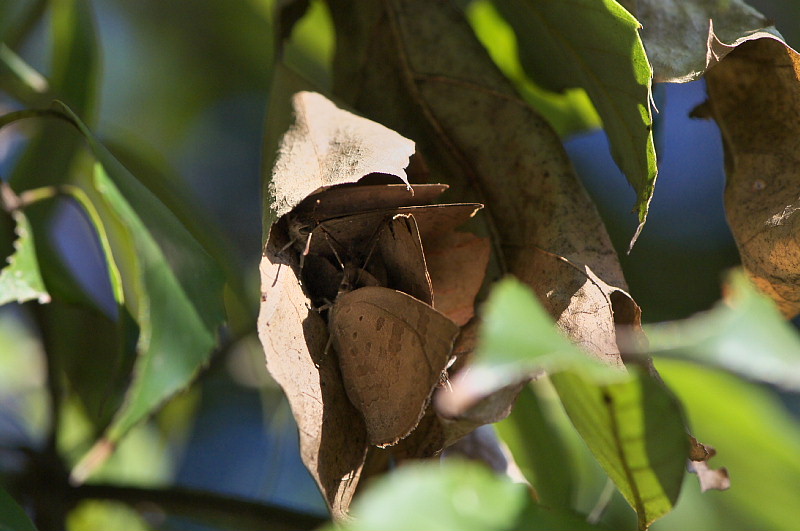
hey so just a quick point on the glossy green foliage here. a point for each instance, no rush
(21, 279)
(12, 517)
(594, 45)
(745, 334)
(455, 495)
(630, 421)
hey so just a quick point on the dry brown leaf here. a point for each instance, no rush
(333, 441)
(327, 145)
(754, 96)
(710, 478)
(395, 64)
(392, 352)
(338, 236)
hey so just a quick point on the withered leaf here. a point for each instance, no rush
(392, 352)
(754, 96)
(337, 238)
(328, 146)
(325, 146)
(394, 64)
(710, 478)
(333, 442)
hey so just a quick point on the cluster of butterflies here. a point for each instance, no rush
(361, 252)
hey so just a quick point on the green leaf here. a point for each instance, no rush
(635, 430)
(756, 438)
(595, 44)
(49, 155)
(98, 381)
(453, 495)
(538, 449)
(76, 55)
(169, 284)
(21, 279)
(630, 422)
(310, 49)
(746, 335)
(518, 339)
(98, 515)
(569, 113)
(12, 517)
(73, 79)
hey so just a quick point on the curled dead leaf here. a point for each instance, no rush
(333, 442)
(710, 478)
(327, 145)
(345, 267)
(754, 96)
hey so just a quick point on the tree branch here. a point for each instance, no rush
(228, 512)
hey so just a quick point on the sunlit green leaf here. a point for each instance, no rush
(635, 429)
(101, 515)
(519, 338)
(311, 47)
(594, 44)
(757, 439)
(569, 113)
(12, 517)
(746, 335)
(630, 422)
(453, 495)
(170, 285)
(21, 279)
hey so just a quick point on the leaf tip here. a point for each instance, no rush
(94, 459)
(635, 237)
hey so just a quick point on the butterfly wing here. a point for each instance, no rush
(392, 351)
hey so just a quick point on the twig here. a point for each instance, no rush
(229, 512)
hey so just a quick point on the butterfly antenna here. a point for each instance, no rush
(373, 246)
(328, 238)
